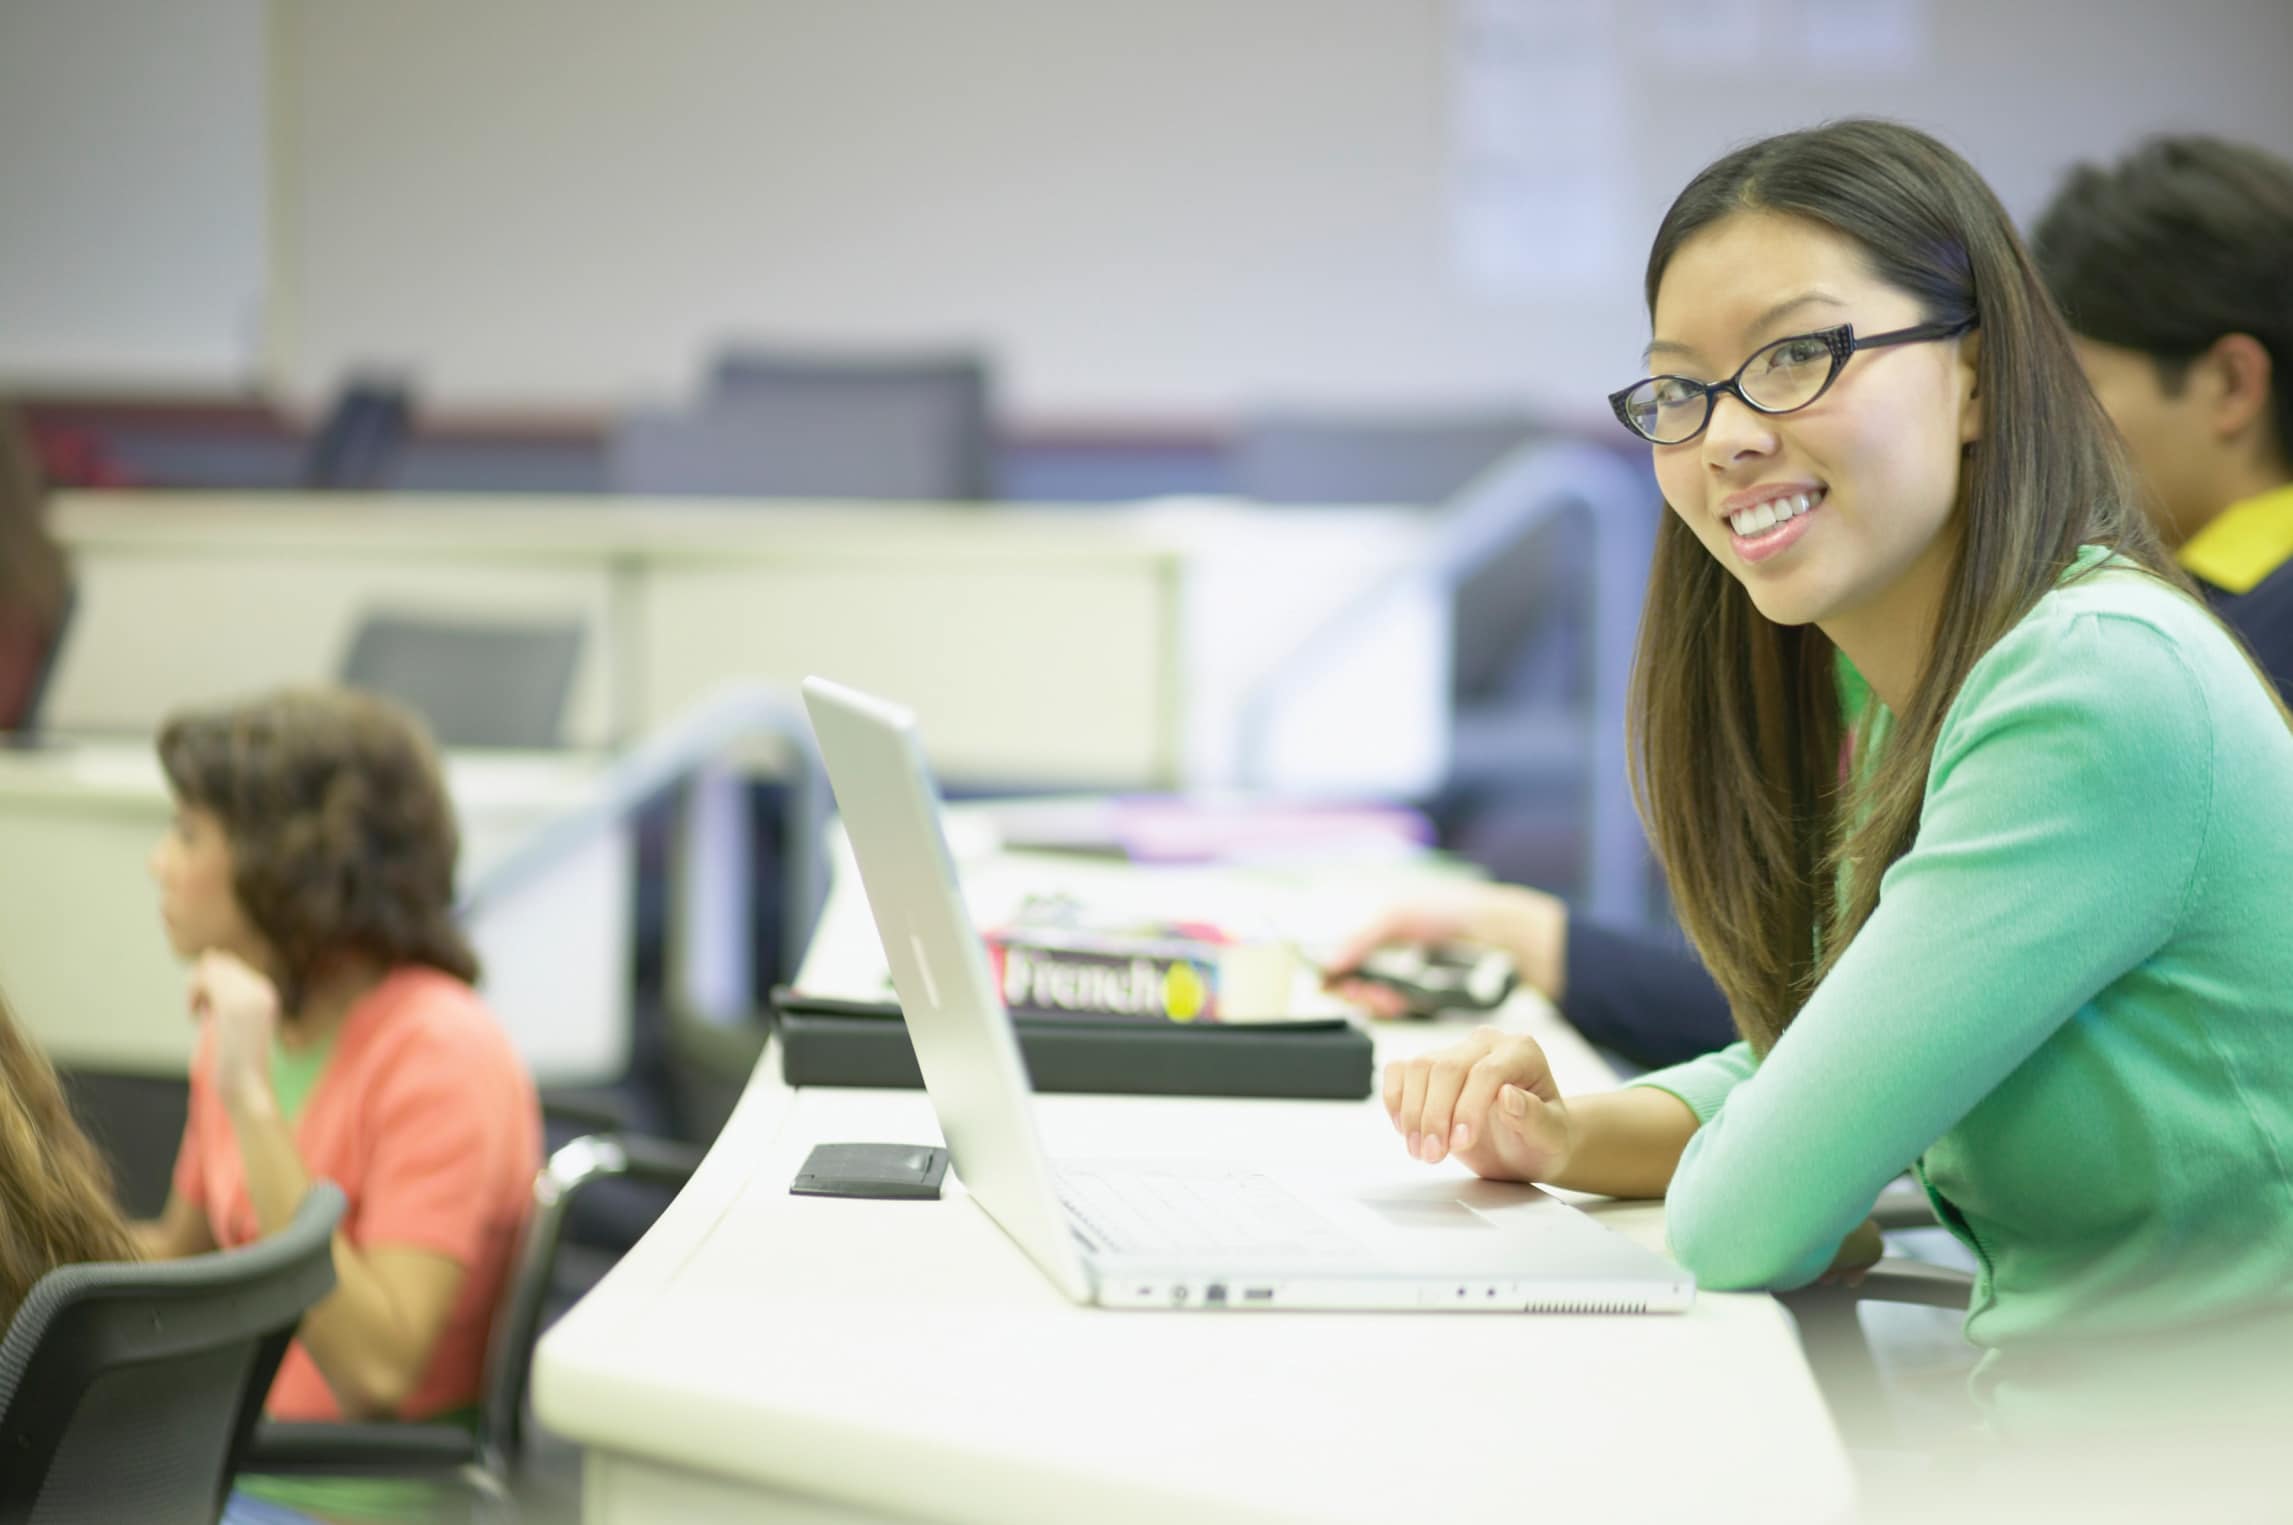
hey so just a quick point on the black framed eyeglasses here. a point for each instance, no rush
(1782, 377)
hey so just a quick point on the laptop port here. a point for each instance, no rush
(1257, 1294)
(1214, 1293)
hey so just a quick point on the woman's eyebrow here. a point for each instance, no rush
(1764, 320)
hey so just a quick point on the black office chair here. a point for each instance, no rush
(130, 1391)
(795, 424)
(1291, 455)
(483, 1467)
(358, 444)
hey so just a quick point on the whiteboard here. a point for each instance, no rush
(133, 193)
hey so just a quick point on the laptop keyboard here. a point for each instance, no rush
(1160, 1211)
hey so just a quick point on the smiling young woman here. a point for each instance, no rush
(1975, 812)
(1929, 543)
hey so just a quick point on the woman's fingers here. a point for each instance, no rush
(1421, 1095)
(1392, 925)
(1470, 1121)
(1441, 919)
(1413, 1080)
(1437, 1118)
(1377, 1000)
(1519, 1126)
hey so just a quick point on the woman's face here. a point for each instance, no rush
(191, 864)
(1876, 458)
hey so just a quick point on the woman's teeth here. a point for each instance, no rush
(1766, 516)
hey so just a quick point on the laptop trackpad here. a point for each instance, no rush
(1426, 1212)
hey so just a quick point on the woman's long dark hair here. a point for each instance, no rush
(1774, 859)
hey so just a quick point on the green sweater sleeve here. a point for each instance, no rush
(2066, 809)
(1704, 1083)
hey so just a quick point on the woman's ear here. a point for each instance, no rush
(1970, 387)
(2241, 376)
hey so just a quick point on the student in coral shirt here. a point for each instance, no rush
(308, 877)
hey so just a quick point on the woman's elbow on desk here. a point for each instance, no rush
(1738, 1257)
(1732, 1241)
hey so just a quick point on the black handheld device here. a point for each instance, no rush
(871, 1170)
(1440, 979)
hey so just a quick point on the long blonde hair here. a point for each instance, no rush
(1773, 856)
(56, 1202)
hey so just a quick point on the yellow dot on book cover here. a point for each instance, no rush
(1183, 992)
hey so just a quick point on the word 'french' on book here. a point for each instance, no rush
(1197, 977)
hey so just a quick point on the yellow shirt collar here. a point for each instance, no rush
(2245, 543)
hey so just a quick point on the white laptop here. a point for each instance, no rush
(1179, 1234)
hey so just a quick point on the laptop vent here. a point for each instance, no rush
(1590, 1307)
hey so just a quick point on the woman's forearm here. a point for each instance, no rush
(355, 1337)
(1625, 1143)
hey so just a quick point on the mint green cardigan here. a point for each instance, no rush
(2071, 1013)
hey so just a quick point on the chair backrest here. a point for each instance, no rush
(128, 1391)
(571, 1169)
(790, 425)
(362, 437)
(1299, 457)
(478, 683)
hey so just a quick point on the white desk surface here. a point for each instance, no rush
(857, 1360)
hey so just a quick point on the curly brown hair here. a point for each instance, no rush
(56, 1203)
(342, 837)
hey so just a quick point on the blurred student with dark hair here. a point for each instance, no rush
(34, 586)
(308, 879)
(2174, 269)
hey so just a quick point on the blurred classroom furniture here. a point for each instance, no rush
(1192, 645)
(545, 885)
(1539, 558)
(359, 443)
(775, 423)
(477, 683)
(927, 1335)
(130, 1391)
(1096, 646)
(1296, 455)
(90, 975)
(499, 1466)
(549, 891)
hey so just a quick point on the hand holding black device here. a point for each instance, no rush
(1436, 980)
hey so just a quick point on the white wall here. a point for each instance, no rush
(1150, 208)
(133, 178)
